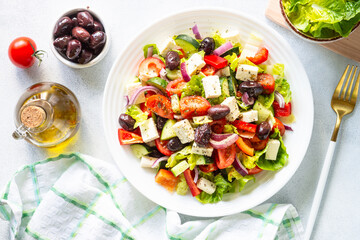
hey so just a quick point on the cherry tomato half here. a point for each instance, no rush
(254, 170)
(267, 81)
(278, 124)
(260, 57)
(175, 87)
(150, 67)
(161, 146)
(208, 70)
(226, 157)
(192, 106)
(160, 105)
(208, 168)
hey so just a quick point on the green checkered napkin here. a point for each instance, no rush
(78, 197)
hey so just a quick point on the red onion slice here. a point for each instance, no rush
(184, 73)
(196, 174)
(288, 128)
(247, 100)
(223, 48)
(280, 99)
(178, 117)
(150, 51)
(196, 32)
(239, 167)
(219, 137)
(157, 161)
(224, 143)
(126, 101)
(141, 90)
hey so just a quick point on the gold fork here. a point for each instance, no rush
(343, 102)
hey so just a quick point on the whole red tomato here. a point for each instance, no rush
(22, 52)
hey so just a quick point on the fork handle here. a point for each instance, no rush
(320, 189)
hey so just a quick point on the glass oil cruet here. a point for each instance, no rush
(47, 114)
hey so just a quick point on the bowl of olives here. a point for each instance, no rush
(79, 38)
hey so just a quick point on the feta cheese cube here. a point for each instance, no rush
(148, 130)
(167, 47)
(212, 86)
(184, 131)
(147, 162)
(206, 185)
(248, 51)
(273, 148)
(206, 151)
(234, 108)
(246, 72)
(175, 103)
(223, 72)
(131, 89)
(194, 64)
(249, 116)
(232, 36)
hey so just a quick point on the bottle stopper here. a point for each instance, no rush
(32, 116)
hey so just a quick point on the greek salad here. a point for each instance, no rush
(207, 113)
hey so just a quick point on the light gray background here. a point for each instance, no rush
(339, 216)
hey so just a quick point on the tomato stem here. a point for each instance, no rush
(39, 54)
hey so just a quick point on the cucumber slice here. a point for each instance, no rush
(167, 132)
(263, 112)
(173, 74)
(232, 83)
(224, 86)
(180, 168)
(140, 150)
(187, 43)
(158, 82)
(204, 160)
(235, 50)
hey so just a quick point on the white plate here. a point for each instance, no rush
(209, 20)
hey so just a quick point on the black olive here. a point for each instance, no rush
(207, 45)
(218, 111)
(202, 135)
(126, 122)
(172, 60)
(263, 130)
(253, 88)
(175, 144)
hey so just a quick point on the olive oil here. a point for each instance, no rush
(47, 114)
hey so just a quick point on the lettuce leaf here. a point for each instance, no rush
(228, 128)
(218, 40)
(250, 162)
(155, 49)
(175, 158)
(233, 60)
(193, 159)
(182, 187)
(283, 87)
(135, 112)
(248, 62)
(278, 69)
(222, 186)
(266, 100)
(233, 174)
(193, 87)
(281, 159)
(323, 18)
(244, 180)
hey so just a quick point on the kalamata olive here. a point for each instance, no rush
(85, 19)
(97, 39)
(63, 27)
(207, 45)
(202, 135)
(217, 112)
(175, 144)
(75, 21)
(85, 56)
(97, 26)
(80, 34)
(263, 130)
(155, 153)
(126, 122)
(73, 49)
(160, 122)
(172, 60)
(61, 43)
(253, 88)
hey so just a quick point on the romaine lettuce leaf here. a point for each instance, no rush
(222, 186)
(193, 159)
(250, 162)
(193, 87)
(281, 159)
(135, 112)
(266, 100)
(228, 128)
(283, 87)
(218, 40)
(278, 69)
(233, 174)
(155, 49)
(233, 60)
(175, 158)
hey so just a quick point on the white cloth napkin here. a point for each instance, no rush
(78, 197)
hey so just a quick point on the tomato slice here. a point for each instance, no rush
(278, 124)
(145, 109)
(190, 182)
(260, 57)
(208, 168)
(193, 106)
(160, 105)
(166, 179)
(216, 61)
(175, 87)
(245, 126)
(226, 157)
(267, 81)
(244, 146)
(258, 144)
(150, 67)
(161, 146)
(254, 170)
(282, 112)
(208, 70)
(126, 137)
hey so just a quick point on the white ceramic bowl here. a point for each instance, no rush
(94, 61)
(208, 20)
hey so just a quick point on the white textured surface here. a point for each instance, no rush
(339, 214)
